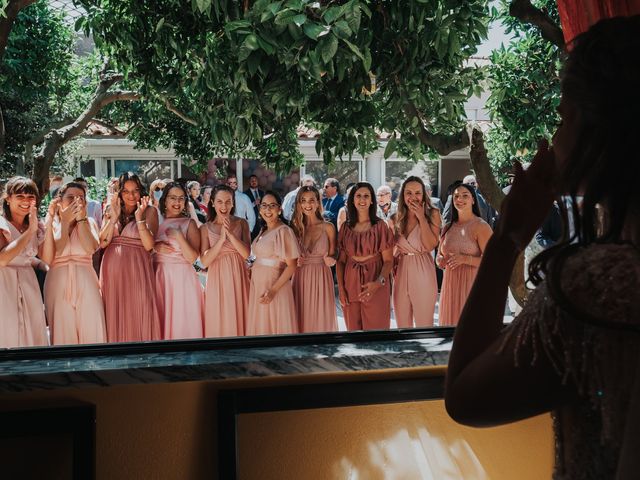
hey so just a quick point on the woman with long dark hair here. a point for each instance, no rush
(72, 297)
(416, 225)
(225, 246)
(271, 305)
(126, 276)
(313, 281)
(461, 246)
(364, 264)
(179, 296)
(574, 348)
(22, 237)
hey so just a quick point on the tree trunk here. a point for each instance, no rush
(57, 137)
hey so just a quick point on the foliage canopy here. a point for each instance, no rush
(246, 74)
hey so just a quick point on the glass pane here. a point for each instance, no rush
(147, 170)
(396, 171)
(88, 168)
(346, 172)
(268, 179)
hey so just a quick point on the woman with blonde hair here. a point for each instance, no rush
(313, 282)
(416, 225)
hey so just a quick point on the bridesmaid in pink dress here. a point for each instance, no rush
(313, 282)
(461, 247)
(365, 262)
(179, 295)
(22, 321)
(72, 296)
(271, 306)
(126, 276)
(225, 246)
(417, 230)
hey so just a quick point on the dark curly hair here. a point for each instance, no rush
(352, 212)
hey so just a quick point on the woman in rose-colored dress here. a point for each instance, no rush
(416, 225)
(127, 278)
(22, 237)
(179, 296)
(461, 246)
(271, 306)
(72, 298)
(225, 246)
(365, 243)
(313, 281)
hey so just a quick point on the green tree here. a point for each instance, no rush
(36, 80)
(525, 90)
(242, 76)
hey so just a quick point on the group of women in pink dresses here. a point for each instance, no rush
(149, 290)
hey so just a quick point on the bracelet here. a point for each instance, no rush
(81, 220)
(140, 221)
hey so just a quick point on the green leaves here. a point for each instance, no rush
(315, 30)
(328, 46)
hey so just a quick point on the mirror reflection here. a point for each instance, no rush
(120, 260)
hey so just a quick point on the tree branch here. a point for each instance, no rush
(55, 138)
(524, 11)
(443, 144)
(169, 106)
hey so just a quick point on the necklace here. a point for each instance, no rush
(21, 228)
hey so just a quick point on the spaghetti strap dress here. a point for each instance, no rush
(72, 297)
(128, 288)
(179, 295)
(227, 292)
(415, 288)
(313, 289)
(457, 282)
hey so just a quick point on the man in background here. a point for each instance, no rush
(386, 207)
(333, 201)
(243, 205)
(255, 195)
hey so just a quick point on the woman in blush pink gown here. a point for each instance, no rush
(461, 247)
(416, 225)
(127, 278)
(313, 282)
(225, 246)
(22, 237)
(72, 298)
(179, 296)
(271, 306)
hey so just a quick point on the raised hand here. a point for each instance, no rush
(115, 208)
(53, 207)
(79, 209)
(417, 209)
(67, 214)
(33, 218)
(142, 206)
(530, 198)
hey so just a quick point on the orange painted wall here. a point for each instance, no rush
(168, 431)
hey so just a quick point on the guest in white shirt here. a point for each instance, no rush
(243, 205)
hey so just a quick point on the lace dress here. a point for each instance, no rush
(597, 352)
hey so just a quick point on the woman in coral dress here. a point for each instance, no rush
(461, 247)
(225, 246)
(364, 265)
(127, 278)
(22, 321)
(72, 298)
(271, 304)
(313, 281)
(416, 225)
(179, 296)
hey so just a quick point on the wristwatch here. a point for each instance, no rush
(382, 280)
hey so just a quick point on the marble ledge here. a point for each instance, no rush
(239, 363)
